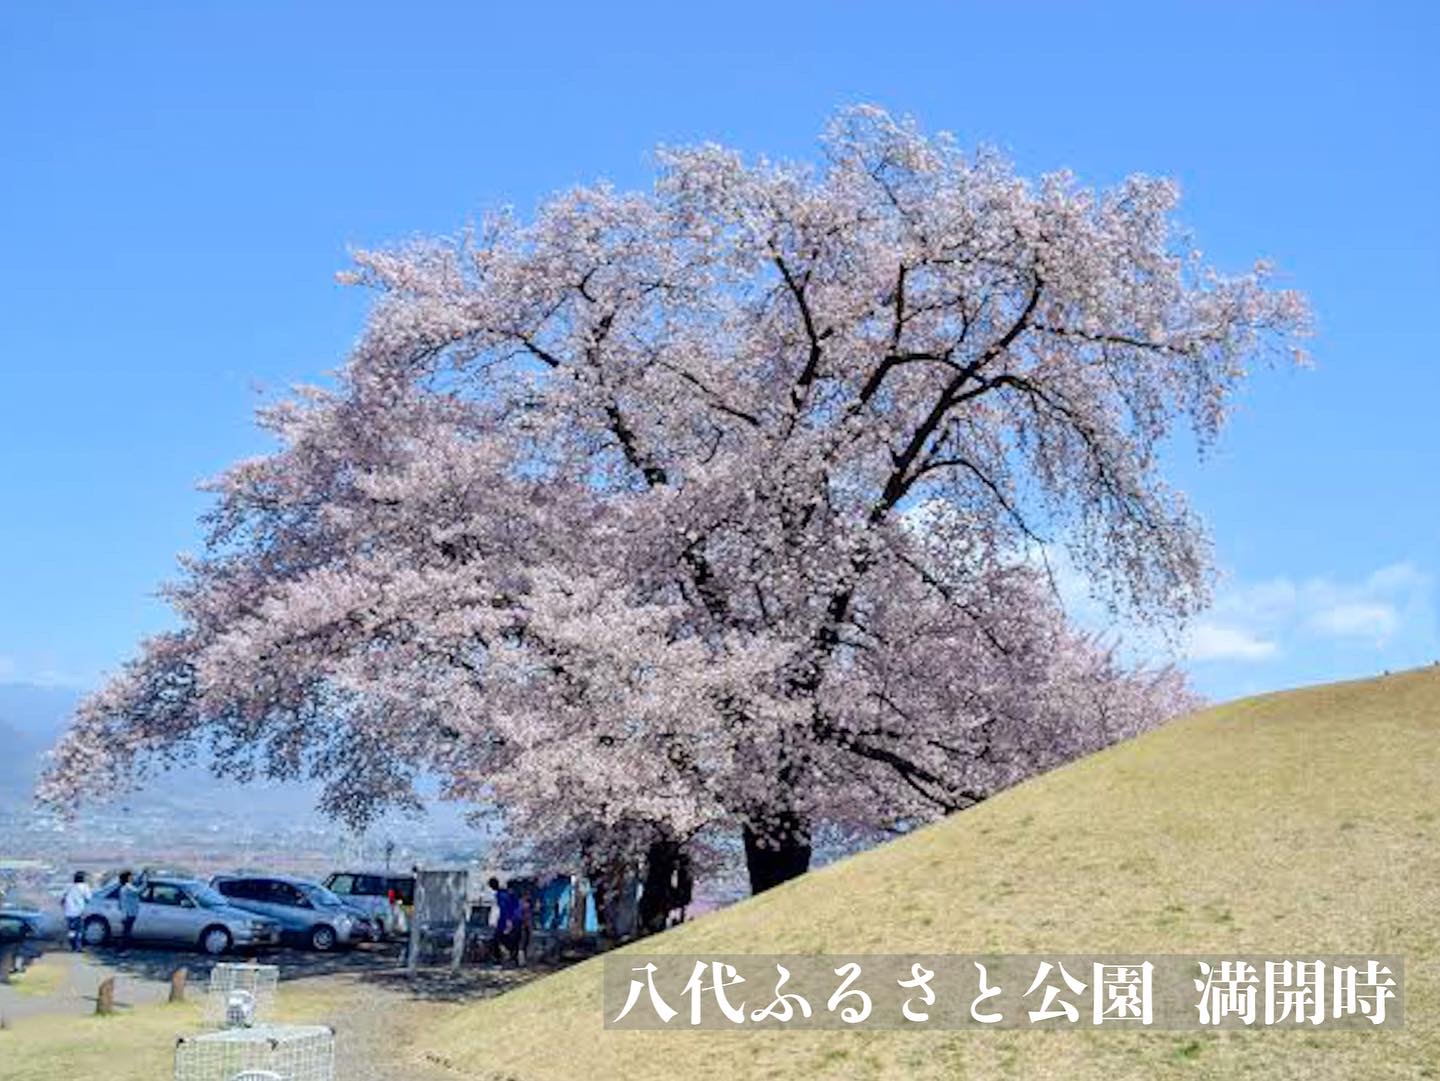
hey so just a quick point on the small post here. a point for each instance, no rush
(178, 979)
(105, 997)
(462, 928)
(578, 896)
(457, 945)
(413, 953)
(7, 962)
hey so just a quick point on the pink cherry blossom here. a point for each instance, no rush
(715, 507)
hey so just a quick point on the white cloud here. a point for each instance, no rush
(1378, 607)
(1356, 620)
(15, 669)
(1287, 630)
(1291, 631)
(1218, 642)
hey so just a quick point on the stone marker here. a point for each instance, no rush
(105, 996)
(178, 979)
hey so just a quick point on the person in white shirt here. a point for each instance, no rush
(77, 896)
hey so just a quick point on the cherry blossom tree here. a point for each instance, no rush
(715, 506)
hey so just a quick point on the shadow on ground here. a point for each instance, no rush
(475, 980)
(158, 963)
(143, 975)
(470, 983)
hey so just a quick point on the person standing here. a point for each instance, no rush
(76, 897)
(507, 922)
(129, 907)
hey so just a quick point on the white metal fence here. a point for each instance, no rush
(240, 995)
(261, 1053)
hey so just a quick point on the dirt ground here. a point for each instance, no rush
(66, 983)
(375, 1005)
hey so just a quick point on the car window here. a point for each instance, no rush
(341, 884)
(320, 897)
(243, 889)
(163, 893)
(369, 886)
(250, 889)
(282, 893)
(208, 897)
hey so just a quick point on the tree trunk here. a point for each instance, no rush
(661, 861)
(615, 901)
(578, 893)
(776, 852)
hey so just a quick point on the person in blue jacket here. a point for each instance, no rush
(508, 921)
(129, 907)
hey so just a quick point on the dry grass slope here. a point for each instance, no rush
(1305, 821)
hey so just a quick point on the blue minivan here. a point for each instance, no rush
(306, 911)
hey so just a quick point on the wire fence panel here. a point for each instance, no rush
(260, 1053)
(240, 995)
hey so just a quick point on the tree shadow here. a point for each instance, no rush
(473, 980)
(469, 983)
(158, 963)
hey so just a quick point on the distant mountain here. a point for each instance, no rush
(31, 720)
(188, 802)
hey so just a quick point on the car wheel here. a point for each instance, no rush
(322, 938)
(97, 931)
(215, 941)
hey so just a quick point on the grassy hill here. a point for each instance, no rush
(1302, 822)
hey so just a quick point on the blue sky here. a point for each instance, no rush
(181, 181)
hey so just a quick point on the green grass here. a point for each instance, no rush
(1299, 822)
(41, 978)
(139, 1044)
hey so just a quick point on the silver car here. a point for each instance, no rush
(305, 910)
(384, 896)
(178, 911)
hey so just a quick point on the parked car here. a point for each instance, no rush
(305, 910)
(18, 935)
(178, 910)
(18, 925)
(382, 895)
(31, 924)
